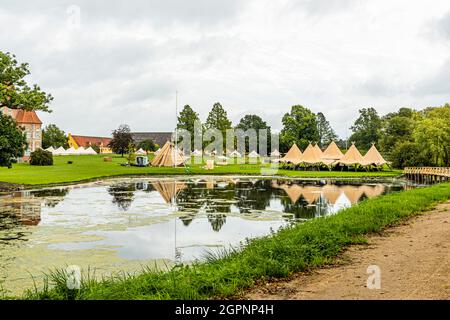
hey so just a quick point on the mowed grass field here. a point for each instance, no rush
(90, 167)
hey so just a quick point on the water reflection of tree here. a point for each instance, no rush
(217, 221)
(123, 195)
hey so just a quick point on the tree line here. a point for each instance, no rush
(407, 137)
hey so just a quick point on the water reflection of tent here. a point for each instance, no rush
(373, 191)
(294, 192)
(168, 189)
(311, 194)
(353, 193)
(331, 193)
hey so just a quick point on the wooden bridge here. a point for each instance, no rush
(427, 174)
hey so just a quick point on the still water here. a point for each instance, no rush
(125, 224)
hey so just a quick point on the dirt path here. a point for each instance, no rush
(414, 260)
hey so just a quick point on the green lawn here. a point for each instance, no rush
(89, 167)
(297, 248)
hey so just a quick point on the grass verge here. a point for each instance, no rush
(296, 248)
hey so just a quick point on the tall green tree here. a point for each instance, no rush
(147, 145)
(324, 130)
(15, 92)
(52, 136)
(300, 127)
(218, 119)
(366, 129)
(13, 141)
(255, 122)
(186, 121)
(121, 140)
(396, 127)
(432, 133)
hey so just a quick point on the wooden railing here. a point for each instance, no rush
(433, 171)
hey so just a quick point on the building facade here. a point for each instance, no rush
(88, 141)
(30, 123)
(160, 138)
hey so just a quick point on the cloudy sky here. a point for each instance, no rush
(108, 64)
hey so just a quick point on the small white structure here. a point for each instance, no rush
(59, 152)
(90, 151)
(235, 154)
(275, 153)
(196, 153)
(209, 165)
(253, 154)
(141, 152)
(50, 149)
(81, 150)
(141, 161)
(71, 151)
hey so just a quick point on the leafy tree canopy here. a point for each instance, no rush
(300, 127)
(12, 141)
(121, 140)
(15, 92)
(52, 136)
(324, 130)
(147, 145)
(255, 122)
(366, 129)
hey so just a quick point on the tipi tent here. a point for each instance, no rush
(168, 157)
(373, 157)
(157, 152)
(352, 157)
(332, 152)
(235, 154)
(253, 154)
(311, 155)
(141, 152)
(90, 151)
(293, 156)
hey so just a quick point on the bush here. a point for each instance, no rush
(409, 154)
(41, 158)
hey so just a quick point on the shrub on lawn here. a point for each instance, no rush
(41, 158)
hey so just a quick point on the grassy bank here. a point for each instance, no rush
(90, 167)
(296, 248)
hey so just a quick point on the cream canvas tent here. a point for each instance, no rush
(59, 152)
(141, 152)
(352, 157)
(168, 157)
(157, 152)
(332, 152)
(90, 151)
(373, 157)
(253, 154)
(311, 155)
(293, 156)
(235, 154)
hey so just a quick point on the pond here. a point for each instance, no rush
(125, 224)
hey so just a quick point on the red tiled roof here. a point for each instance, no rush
(85, 141)
(23, 116)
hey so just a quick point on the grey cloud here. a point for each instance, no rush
(438, 84)
(324, 7)
(443, 26)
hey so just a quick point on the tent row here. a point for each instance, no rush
(71, 151)
(231, 154)
(333, 156)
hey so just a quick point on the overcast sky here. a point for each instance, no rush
(122, 62)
